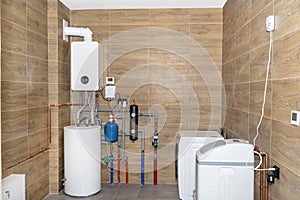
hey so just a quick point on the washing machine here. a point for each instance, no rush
(189, 142)
(225, 171)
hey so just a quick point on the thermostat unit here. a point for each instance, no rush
(295, 118)
(110, 80)
(110, 88)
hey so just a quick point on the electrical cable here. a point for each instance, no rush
(109, 100)
(267, 169)
(118, 95)
(265, 91)
(102, 95)
(260, 160)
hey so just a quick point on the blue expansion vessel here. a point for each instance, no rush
(111, 131)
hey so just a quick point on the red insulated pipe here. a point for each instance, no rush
(119, 168)
(126, 165)
(155, 167)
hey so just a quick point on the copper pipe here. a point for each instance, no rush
(264, 186)
(50, 138)
(27, 158)
(50, 126)
(267, 184)
(261, 182)
(64, 104)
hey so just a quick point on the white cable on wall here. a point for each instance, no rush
(265, 91)
(260, 160)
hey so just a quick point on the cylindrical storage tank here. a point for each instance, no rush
(134, 111)
(82, 157)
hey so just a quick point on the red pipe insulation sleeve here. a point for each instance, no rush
(155, 172)
(119, 169)
(126, 172)
(155, 168)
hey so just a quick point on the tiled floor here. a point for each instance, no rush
(130, 191)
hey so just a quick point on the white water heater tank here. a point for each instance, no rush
(86, 66)
(82, 155)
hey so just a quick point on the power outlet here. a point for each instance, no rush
(270, 23)
(276, 172)
(273, 174)
(295, 118)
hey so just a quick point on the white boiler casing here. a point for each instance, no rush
(82, 153)
(225, 171)
(189, 143)
(86, 66)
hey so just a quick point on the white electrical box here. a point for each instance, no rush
(295, 118)
(110, 92)
(270, 23)
(86, 66)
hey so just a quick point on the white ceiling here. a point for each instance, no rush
(135, 4)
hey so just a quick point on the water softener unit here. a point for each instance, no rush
(134, 110)
(111, 130)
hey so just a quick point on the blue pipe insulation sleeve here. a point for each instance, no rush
(111, 170)
(142, 169)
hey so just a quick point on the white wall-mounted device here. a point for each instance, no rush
(86, 66)
(270, 23)
(110, 88)
(295, 118)
(110, 91)
(110, 80)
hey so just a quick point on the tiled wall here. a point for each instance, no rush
(59, 89)
(155, 76)
(245, 56)
(24, 91)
